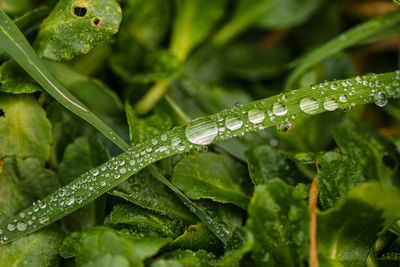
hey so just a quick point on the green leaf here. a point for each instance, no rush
(213, 176)
(147, 192)
(88, 246)
(143, 129)
(197, 237)
(288, 13)
(74, 28)
(14, 80)
(150, 25)
(38, 249)
(347, 231)
(266, 162)
(108, 260)
(364, 32)
(22, 182)
(279, 221)
(146, 221)
(25, 130)
(187, 258)
(17, 7)
(193, 23)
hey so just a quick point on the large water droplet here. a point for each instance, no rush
(256, 116)
(95, 172)
(343, 98)
(70, 201)
(201, 131)
(21, 226)
(233, 123)
(43, 219)
(122, 170)
(309, 105)
(11, 227)
(330, 104)
(380, 99)
(284, 126)
(279, 109)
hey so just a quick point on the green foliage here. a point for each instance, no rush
(75, 27)
(145, 70)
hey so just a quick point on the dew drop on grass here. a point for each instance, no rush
(330, 104)
(380, 99)
(21, 226)
(233, 123)
(122, 170)
(201, 131)
(309, 105)
(11, 227)
(279, 109)
(70, 201)
(95, 172)
(284, 126)
(343, 98)
(43, 219)
(256, 116)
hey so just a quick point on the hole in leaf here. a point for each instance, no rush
(97, 22)
(80, 11)
(2, 113)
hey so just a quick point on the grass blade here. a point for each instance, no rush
(13, 42)
(372, 30)
(254, 116)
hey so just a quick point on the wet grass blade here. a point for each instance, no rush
(285, 107)
(372, 30)
(13, 42)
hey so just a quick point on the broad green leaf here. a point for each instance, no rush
(150, 25)
(38, 249)
(241, 242)
(193, 23)
(369, 148)
(75, 27)
(146, 221)
(338, 174)
(213, 176)
(82, 155)
(146, 192)
(25, 130)
(347, 231)
(23, 181)
(197, 237)
(288, 13)
(279, 221)
(108, 259)
(14, 80)
(88, 246)
(369, 30)
(266, 162)
(187, 258)
(141, 129)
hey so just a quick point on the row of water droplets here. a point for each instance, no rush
(200, 133)
(327, 96)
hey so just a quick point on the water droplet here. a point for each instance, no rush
(256, 116)
(202, 131)
(70, 201)
(309, 105)
(43, 219)
(95, 172)
(333, 87)
(122, 170)
(343, 98)
(284, 126)
(380, 99)
(233, 123)
(11, 227)
(79, 200)
(330, 104)
(132, 162)
(279, 109)
(103, 183)
(21, 226)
